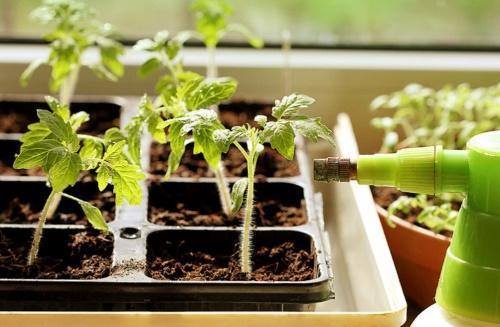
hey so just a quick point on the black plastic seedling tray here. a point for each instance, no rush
(133, 240)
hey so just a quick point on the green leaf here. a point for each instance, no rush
(28, 72)
(89, 152)
(103, 177)
(148, 67)
(238, 194)
(177, 147)
(134, 133)
(290, 105)
(261, 120)
(61, 110)
(123, 175)
(313, 129)
(252, 39)
(156, 127)
(62, 130)
(65, 171)
(114, 135)
(110, 52)
(205, 144)
(77, 119)
(36, 132)
(211, 92)
(224, 137)
(94, 216)
(282, 137)
(35, 154)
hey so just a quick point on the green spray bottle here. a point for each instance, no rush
(469, 285)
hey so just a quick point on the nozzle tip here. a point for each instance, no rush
(334, 169)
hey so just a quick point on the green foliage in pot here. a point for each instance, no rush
(54, 145)
(422, 116)
(75, 31)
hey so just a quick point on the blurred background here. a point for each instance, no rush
(313, 23)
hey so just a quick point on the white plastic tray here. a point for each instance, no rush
(367, 289)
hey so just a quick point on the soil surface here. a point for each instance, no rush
(384, 196)
(83, 255)
(266, 213)
(241, 112)
(283, 262)
(22, 212)
(270, 163)
(15, 116)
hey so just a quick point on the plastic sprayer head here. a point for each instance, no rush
(336, 169)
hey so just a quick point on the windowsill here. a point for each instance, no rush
(312, 59)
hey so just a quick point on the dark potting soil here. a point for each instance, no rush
(63, 255)
(270, 163)
(384, 196)
(266, 213)
(282, 262)
(239, 112)
(19, 211)
(15, 116)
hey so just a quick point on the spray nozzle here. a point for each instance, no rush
(338, 169)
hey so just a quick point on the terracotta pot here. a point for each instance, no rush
(418, 254)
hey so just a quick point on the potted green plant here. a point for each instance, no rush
(423, 116)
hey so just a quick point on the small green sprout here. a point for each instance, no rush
(422, 116)
(164, 53)
(212, 26)
(280, 133)
(75, 31)
(53, 144)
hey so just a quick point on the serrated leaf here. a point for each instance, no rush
(238, 194)
(205, 144)
(134, 133)
(125, 179)
(148, 67)
(313, 129)
(282, 138)
(103, 177)
(114, 135)
(123, 175)
(156, 127)
(177, 147)
(61, 110)
(290, 105)
(62, 130)
(77, 119)
(35, 154)
(65, 171)
(36, 132)
(209, 93)
(89, 152)
(94, 216)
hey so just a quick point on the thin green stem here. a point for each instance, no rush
(68, 87)
(39, 229)
(223, 188)
(246, 236)
(243, 152)
(71, 197)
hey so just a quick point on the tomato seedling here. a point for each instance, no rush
(54, 145)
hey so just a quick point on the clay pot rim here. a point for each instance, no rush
(404, 224)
